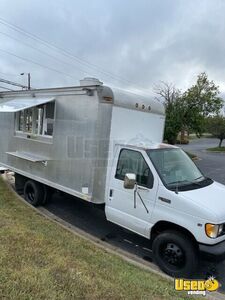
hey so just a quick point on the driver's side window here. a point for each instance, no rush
(131, 161)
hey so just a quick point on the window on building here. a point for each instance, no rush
(37, 120)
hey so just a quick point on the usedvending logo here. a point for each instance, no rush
(197, 287)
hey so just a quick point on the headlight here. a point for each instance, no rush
(213, 231)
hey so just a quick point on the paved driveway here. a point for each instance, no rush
(212, 164)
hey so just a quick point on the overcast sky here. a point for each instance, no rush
(128, 43)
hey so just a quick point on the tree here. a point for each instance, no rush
(188, 110)
(201, 100)
(216, 126)
(172, 100)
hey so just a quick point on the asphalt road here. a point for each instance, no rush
(92, 219)
(212, 164)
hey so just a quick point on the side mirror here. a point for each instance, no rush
(129, 181)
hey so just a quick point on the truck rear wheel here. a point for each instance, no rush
(34, 192)
(175, 254)
(48, 192)
(19, 183)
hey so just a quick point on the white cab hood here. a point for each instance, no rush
(211, 198)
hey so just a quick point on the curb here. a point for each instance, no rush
(209, 151)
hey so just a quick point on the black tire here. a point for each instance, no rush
(175, 254)
(19, 183)
(48, 192)
(34, 192)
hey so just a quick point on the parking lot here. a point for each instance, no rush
(212, 164)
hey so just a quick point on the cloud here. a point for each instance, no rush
(132, 44)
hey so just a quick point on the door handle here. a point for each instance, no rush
(110, 194)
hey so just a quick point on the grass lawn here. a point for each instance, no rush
(41, 260)
(217, 149)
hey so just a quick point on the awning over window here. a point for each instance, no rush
(18, 104)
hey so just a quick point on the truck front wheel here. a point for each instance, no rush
(34, 192)
(175, 254)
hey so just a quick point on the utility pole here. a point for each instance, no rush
(28, 80)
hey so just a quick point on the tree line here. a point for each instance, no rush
(197, 110)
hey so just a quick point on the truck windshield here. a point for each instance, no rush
(177, 170)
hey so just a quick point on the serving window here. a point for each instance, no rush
(36, 121)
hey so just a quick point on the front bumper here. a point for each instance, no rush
(214, 252)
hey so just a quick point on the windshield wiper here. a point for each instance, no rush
(185, 181)
(202, 176)
(204, 180)
(176, 186)
(179, 181)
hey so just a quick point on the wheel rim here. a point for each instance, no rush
(173, 256)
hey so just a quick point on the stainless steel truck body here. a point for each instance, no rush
(64, 137)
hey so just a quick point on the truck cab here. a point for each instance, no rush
(156, 191)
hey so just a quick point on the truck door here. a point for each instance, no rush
(132, 209)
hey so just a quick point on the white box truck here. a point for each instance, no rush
(105, 146)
